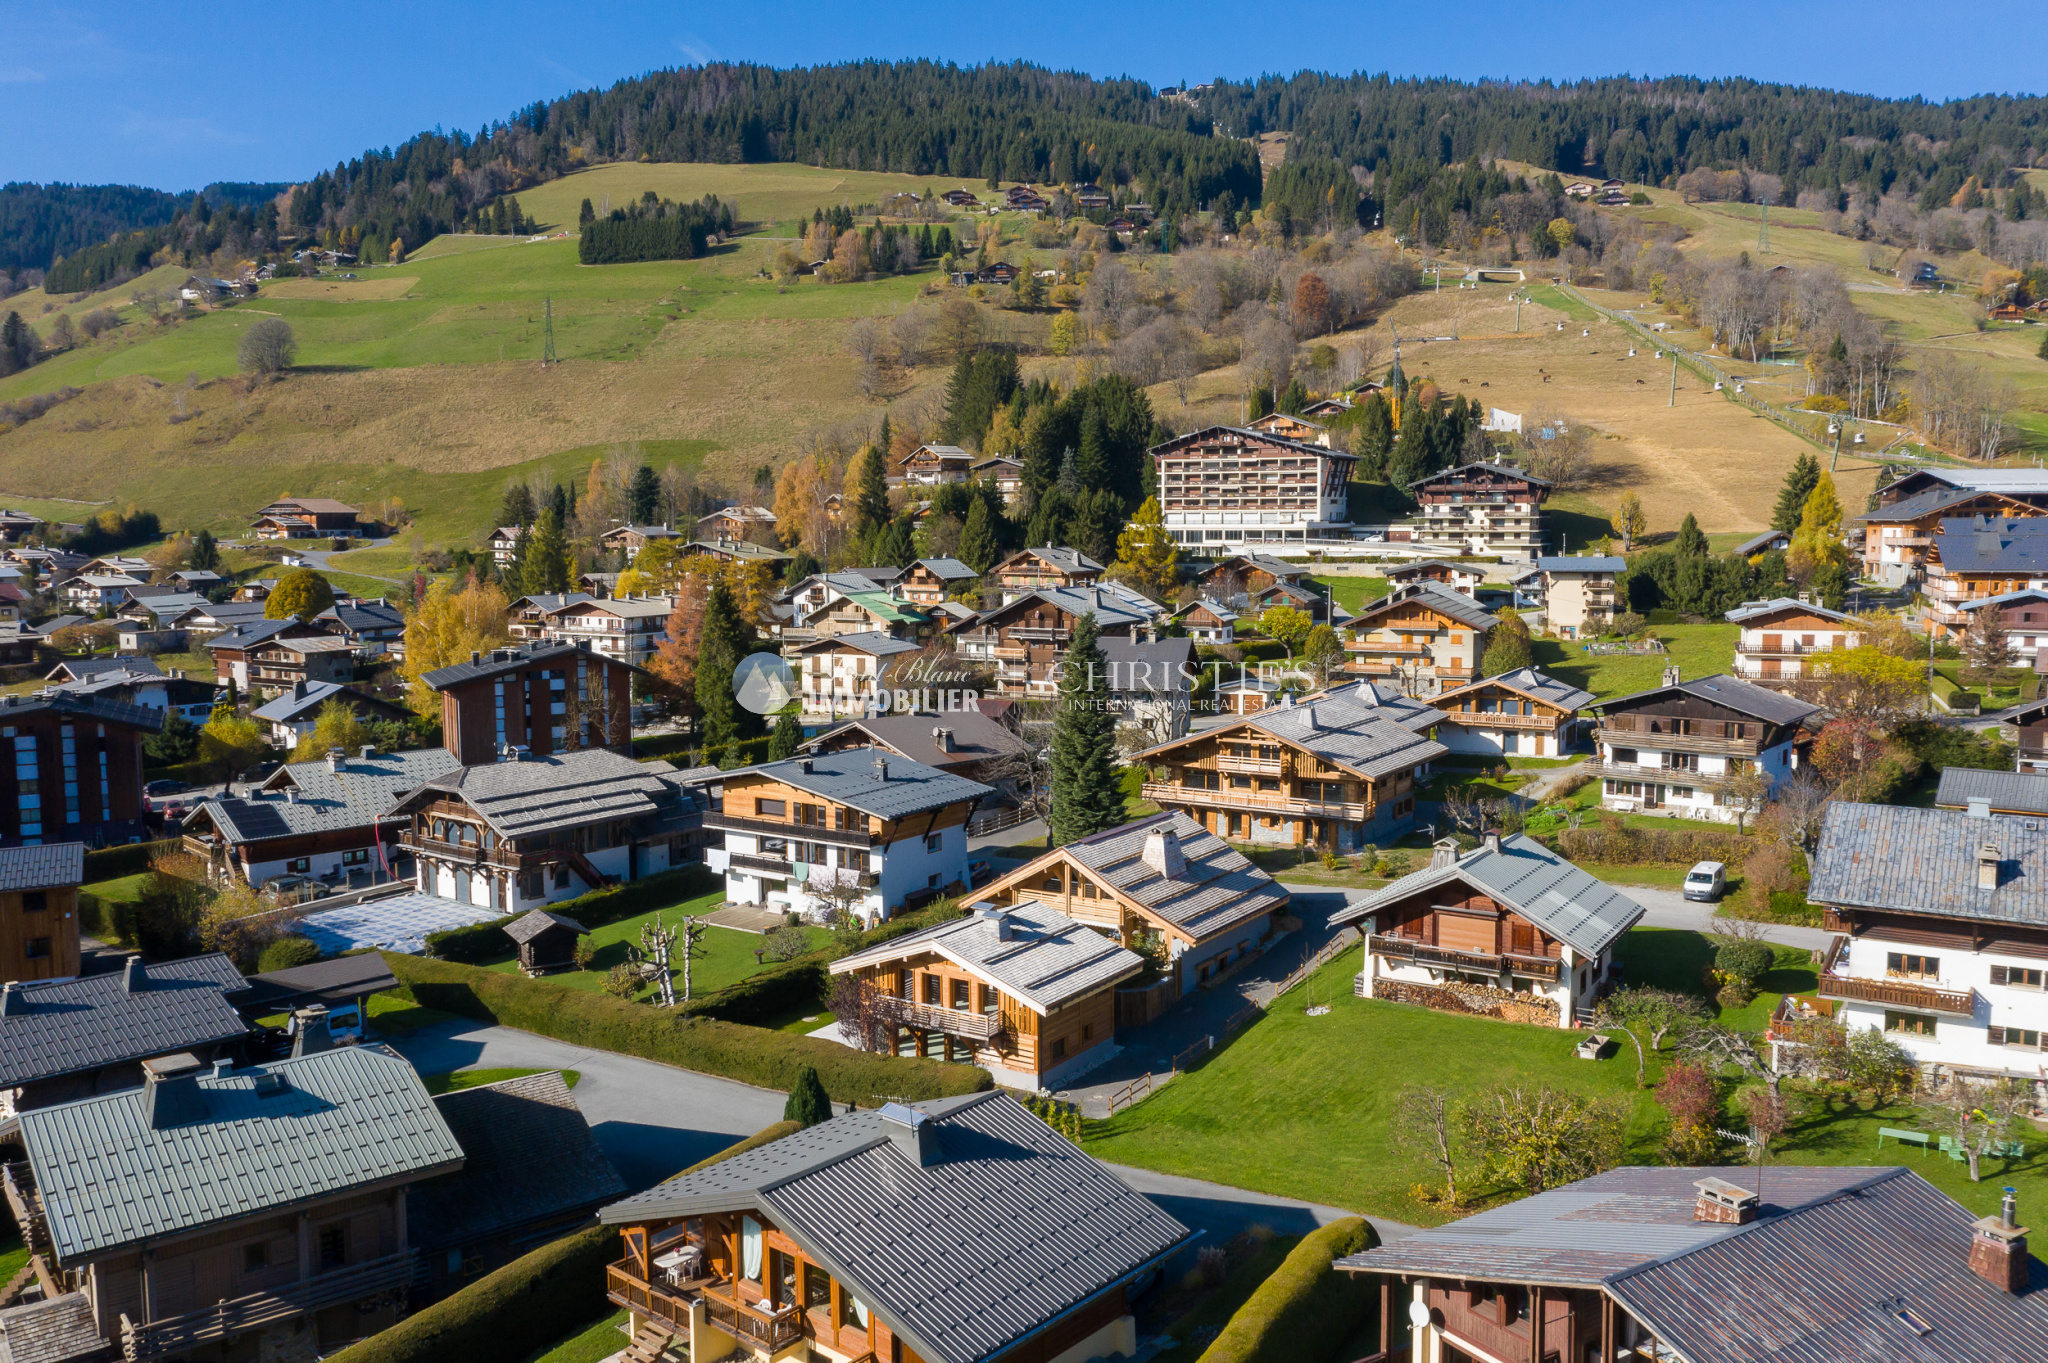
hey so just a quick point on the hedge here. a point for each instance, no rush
(107, 920)
(128, 859)
(481, 941)
(499, 1317)
(1655, 846)
(752, 1055)
(1307, 1309)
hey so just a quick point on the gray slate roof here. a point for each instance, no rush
(1011, 1227)
(341, 980)
(250, 634)
(1582, 563)
(1110, 610)
(1062, 558)
(344, 1118)
(72, 1026)
(976, 737)
(358, 616)
(562, 790)
(1437, 597)
(869, 641)
(948, 569)
(528, 1155)
(85, 669)
(1371, 739)
(851, 778)
(1049, 960)
(508, 659)
(37, 868)
(1584, 913)
(1753, 610)
(1761, 542)
(1865, 1242)
(57, 1329)
(2010, 792)
(1278, 567)
(291, 704)
(358, 796)
(101, 709)
(1533, 684)
(1925, 861)
(1740, 696)
(1219, 889)
(1993, 544)
(1148, 665)
(1409, 569)
(1386, 701)
(534, 922)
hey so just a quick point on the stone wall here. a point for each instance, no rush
(1481, 1000)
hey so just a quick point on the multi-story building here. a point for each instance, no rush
(929, 581)
(544, 698)
(858, 612)
(1207, 621)
(1005, 1242)
(39, 910)
(1900, 529)
(1026, 639)
(233, 649)
(1509, 929)
(376, 628)
(18, 525)
(1425, 638)
(2029, 724)
(1006, 473)
(737, 523)
(282, 661)
(1048, 566)
(1462, 578)
(629, 629)
(1226, 485)
(1857, 1265)
(1523, 713)
(505, 544)
(1982, 561)
(98, 591)
(631, 539)
(1489, 509)
(1675, 748)
(293, 716)
(727, 549)
(71, 769)
(1290, 427)
(860, 831)
(1578, 594)
(301, 518)
(1781, 637)
(930, 465)
(530, 614)
(842, 674)
(1338, 771)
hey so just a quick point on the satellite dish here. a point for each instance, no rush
(1418, 1314)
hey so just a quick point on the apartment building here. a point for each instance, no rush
(1781, 637)
(1462, 578)
(1424, 638)
(71, 769)
(1224, 485)
(1483, 509)
(1047, 566)
(630, 629)
(1578, 594)
(1900, 529)
(1027, 638)
(1673, 749)
(841, 675)
(1983, 562)
(543, 697)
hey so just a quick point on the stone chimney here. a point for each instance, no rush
(1998, 1249)
(943, 738)
(1490, 840)
(1724, 1203)
(1987, 866)
(1443, 852)
(911, 1132)
(335, 757)
(170, 1092)
(133, 977)
(1671, 675)
(1162, 852)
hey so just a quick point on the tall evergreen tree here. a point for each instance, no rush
(643, 493)
(517, 508)
(1091, 463)
(808, 1103)
(1374, 440)
(1690, 542)
(726, 641)
(1049, 519)
(547, 556)
(1792, 496)
(1098, 518)
(1071, 483)
(205, 551)
(871, 506)
(787, 737)
(1087, 795)
(979, 545)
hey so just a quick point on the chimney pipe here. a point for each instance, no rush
(475, 657)
(1998, 1248)
(10, 1000)
(334, 759)
(911, 1132)
(1987, 866)
(133, 978)
(881, 768)
(1162, 853)
(369, 751)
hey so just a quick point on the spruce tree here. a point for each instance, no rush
(205, 551)
(725, 642)
(979, 547)
(1070, 481)
(517, 508)
(1792, 496)
(642, 494)
(871, 505)
(1690, 542)
(1049, 519)
(808, 1102)
(1087, 795)
(1091, 464)
(787, 737)
(1099, 516)
(547, 556)
(1374, 442)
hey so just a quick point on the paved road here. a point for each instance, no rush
(1670, 909)
(317, 558)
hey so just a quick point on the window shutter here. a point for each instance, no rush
(1999, 975)
(1995, 1036)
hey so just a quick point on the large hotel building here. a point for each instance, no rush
(1224, 485)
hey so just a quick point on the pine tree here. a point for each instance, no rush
(586, 215)
(1374, 440)
(642, 495)
(1508, 647)
(1690, 542)
(979, 547)
(517, 508)
(1049, 518)
(1093, 531)
(1087, 796)
(726, 641)
(871, 507)
(2043, 351)
(1792, 496)
(547, 567)
(787, 737)
(1091, 464)
(1070, 483)
(205, 551)
(808, 1102)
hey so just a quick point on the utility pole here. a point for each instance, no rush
(1674, 378)
(1836, 457)
(547, 349)
(1518, 311)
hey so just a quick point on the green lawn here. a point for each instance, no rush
(725, 955)
(1353, 593)
(456, 1080)
(1195, 1328)
(1699, 651)
(589, 1344)
(13, 1253)
(121, 889)
(392, 1013)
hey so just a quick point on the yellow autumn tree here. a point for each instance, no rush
(1146, 554)
(1817, 542)
(796, 497)
(335, 725)
(445, 628)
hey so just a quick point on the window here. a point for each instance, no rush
(817, 1287)
(299, 864)
(1908, 1024)
(35, 901)
(962, 995)
(770, 809)
(1087, 1031)
(255, 1258)
(356, 856)
(1240, 782)
(2019, 1038)
(989, 999)
(333, 1247)
(2012, 976)
(931, 882)
(932, 990)
(934, 842)
(37, 949)
(1059, 1049)
(1912, 966)
(849, 820)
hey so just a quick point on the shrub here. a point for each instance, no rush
(1744, 960)
(1616, 845)
(1307, 1309)
(109, 920)
(808, 1104)
(129, 859)
(750, 1054)
(287, 952)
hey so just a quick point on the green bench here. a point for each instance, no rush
(1919, 1138)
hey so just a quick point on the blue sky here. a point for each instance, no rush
(175, 95)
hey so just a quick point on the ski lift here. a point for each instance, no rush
(1631, 352)
(1717, 385)
(1738, 388)
(1588, 331)
(1858, 440)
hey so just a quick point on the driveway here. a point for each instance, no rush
(317, 558)
(1222, 1212)
(1670, 909)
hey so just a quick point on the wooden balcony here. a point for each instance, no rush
(1259, 802)
(1481, 719)
(1421, 953)
(927, 1017)
(1784, 648)
(771, 866)
(739, 823)
(1032, 634)
(764, 1332)
(1908, 994)
(237, 1315)
(1251, 766)
(1010, 651)
(1664, 742)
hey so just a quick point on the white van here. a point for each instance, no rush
(1706, 882)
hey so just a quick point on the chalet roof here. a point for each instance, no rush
(1750, 611)
(113, 683)
(306, 697)
(527, 1155)
(1006, 1228)
(1719, 1293)
(398, 922)
(1924, 861)
(854, 778)
(357, 796)
(1057, 556)
(1762, 542)
(84, 669)
(319, 506)
(1927, 502)
(1533, 684)
(58, 1329)
(1150, 665)
(1345, 728)
(996, 460)
(341, 980)
(651, 532)
(226, 614)
(341, 1119)
(41, 867)
(869, 641)
(534, 922)
(164, 603)
(512, 658)
(1217, 890)
(560, 790)
(1046, 961)
(1388, 702)
(946, 452)
(1506, 470)
(100, 709)
(1279, 568)
(1582, 563)
(885, 607)
(1758, 702)
(1409, 568)
(247, 635)
(628, 608)
(2010, 792)
(1222, 613)
(357, 616)
(314, 643)
(1456, 605)
(1208, 433)
(550, 602)
(739, 549)
(2004, 599)
(947, 569)
(1993, 544)
(60, 1027)
(1569, 904)
(1991, 480)
(1109, 609)
(976, 737)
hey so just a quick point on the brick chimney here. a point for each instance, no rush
(1998, 1249)
(1162, 853)
(1724, 1203)
(1987, 866)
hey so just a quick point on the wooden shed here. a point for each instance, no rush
(547, 941)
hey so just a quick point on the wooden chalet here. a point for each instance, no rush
(1024, 1247)
(843, 674)
(1780, 638)
(736, 523)
(961, 198)
(1240, 575)
(1027, 570)
(1027, 637)
(1462, 578)
(963, 742)
(2030, 724)
(929, 465)
(1901, 528)
(929, 581)
(1291, 427)
(860, 612)
(1330, 406)
(1006, 473)
(39, 910)
(1978, 561)
(286, 660)
(1523, 713)
(295, 518)
(546, 941)
(631, 539)
(1207, 622)
(1424, 637)
(1338, 771)
(1674, 748)
(542, 698)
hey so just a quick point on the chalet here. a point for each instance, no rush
(1462, 578)
(1781, 637)
(861, 612)
(1090, 197)
(1489, 509)
(2008, 311)
(2001, 792)
(597, 586)
(1164, 887)
(1001, 272)
(256, 589)
(856, 832)
(1580, 190)
(2024, 614)
(629, 631)
(375, 628)
(631, 539)
(1901, 528)
(1771, 541)
(736, 523)
(119, 563)
(1676, 748)
(961, 742)
(1246, 694)
(1025, 1248)
(1207, 622)
(1291, 427)
(1578, 594)
(1027, 570)
(1151, 682)
(1226, 485)
(530, 614)
(531, 831)
(1021, 990)
(233, 648)
(279, 663)
(328, 818)
(1006, 473)
(1424, 637)
(2030, 725)
(75, 769)
(931, 580)
(1327, 407)
(1977, 558)
(546, 941)
(930, 465)
(237, 1207)
(540, 698)
(39, 910)
(796, 600)
(505, 544)
(1233, 580)
(1674, 1263)
(293, 715)
(98, 591)
(1027, 637)
(1509, 930)
(842, 674)
(1339, 771)
(1522, 713)
(961, 198)
(298, 518)
(15, 526)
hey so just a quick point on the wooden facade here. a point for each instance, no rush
(1779, 645)
(1028, 639)
(1412, 640)
(1027, 570)
(932, 464)
(1244, 573)
(527, 704)
(51, 748)
(1246, 785)
(39, 933)
(947, 1012)
(1483, 509)
(925, 587)
(1491, 717)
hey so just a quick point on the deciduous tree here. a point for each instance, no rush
(267, 347)
(301, 595)
(1147, 554)
(1508, 646)
(448, 625)
(1533, 1139)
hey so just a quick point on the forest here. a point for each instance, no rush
(652, 230)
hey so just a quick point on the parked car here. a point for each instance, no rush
(165, 787)
(1706, 882)
(296, 889)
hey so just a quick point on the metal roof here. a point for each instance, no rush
(559, 790)
(869, 641)
(245, 636)
(1217, 889)
(1149, 665)
(511, 658)
(361, 615)
(976, 737)
(1437, 597)
(1583, 563)
(1925, 861)
(41, 867)
(1059, 556)
(1278, 567)
(1343, 727)
(854, 778)
(948, 569)
(1006, 1229)
(358, 795)
(101, 709)
(1740, 696)
(1584, 913)
(1759, 542)
(2010, 792)
(1993, 544)
(1047, 960)
(1509, 469)
(398, 923)
(341, 980)
(1531, 683)
(1923, 503)
(341, 1119)
(1778, 605)
(303, 696)
(1406, 569)
(73, 1026)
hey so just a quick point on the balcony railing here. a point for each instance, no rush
(1921, 998)
(1166, 792)
(19, 1181)
(236, 1315)
(766, 1332)
(1656, 742)
(1255, 766)
(1010, 651)
(765, 865)
(1035, 634)
(1490, 963)
(776, 828)
(927, 1017)
(1485, 719)
(1786, 648)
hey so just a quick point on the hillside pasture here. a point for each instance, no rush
(762, 193)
